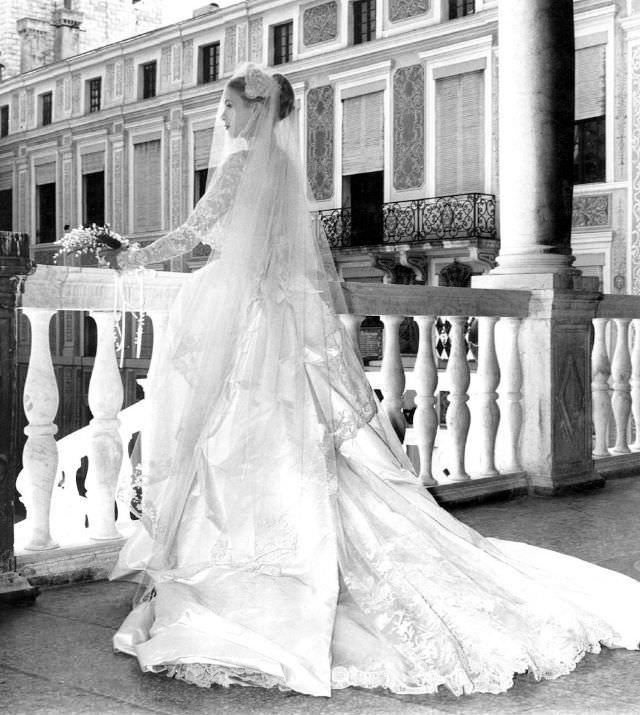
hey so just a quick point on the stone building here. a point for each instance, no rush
(397, 104)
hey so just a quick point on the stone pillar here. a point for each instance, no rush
(66, 23)
(14, 265)
(536, 176)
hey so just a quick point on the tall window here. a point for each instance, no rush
(460, 8)
(201, 150)
(94, 87)
(45, 108)
(282, 43)
(589, 154)
(364, 21)
(93, 198)
(148, 78)
(6, 209)
(147, 215)
(209, 63)
(46, 213)
(4, 120)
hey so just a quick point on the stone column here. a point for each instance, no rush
(14, 265)
(536, 115)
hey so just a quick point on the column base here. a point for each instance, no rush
(536, 281)
(559, 485)
(15, 590)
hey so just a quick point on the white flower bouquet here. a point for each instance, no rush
(91, 240)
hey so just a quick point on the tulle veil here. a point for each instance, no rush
(206, 383)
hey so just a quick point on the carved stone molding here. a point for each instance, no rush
(404, 9)
(634, 133)
(229, 49)
(255, 40)
(320, 141)
(408, 127)
(591, 211)
(320, 23)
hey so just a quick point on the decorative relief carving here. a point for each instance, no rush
(229, 49)
(176, 181)
(67, 95)
(404, 9)
(76, 83)
(176, 62)
(67, 208)
(31, 107)
(242, 42)
(117, 79)
(22, 201)
(119, 223)
(165, 66)
(59, 98)
(255, 40)
(591, 211)
(128, 78)
(109, 81)
(320, 23)
(320, 141)
(571, 433)
(635, 169)
(408, 127)
(187, 60)
(620, 118)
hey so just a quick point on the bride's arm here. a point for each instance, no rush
(212, 206)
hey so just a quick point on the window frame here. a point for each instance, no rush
(93, 105)
(148, 67)
(282, 52)
(204, 58)
(461, 8)
(364, 26)
(4, 120)
(46, 108)
(581, 128)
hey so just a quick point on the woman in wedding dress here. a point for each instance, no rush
(284, 539)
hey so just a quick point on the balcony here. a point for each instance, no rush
(430, 220)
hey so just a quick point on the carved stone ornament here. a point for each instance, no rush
(591, 211)
(408, 127)
(404, 9)
(320, 23)
(320, 141)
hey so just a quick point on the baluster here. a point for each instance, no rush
(458, 416)
(392, 373)
(620, 375)
(105, 448)
(510, 394)
(425, 418)
(487, 378)
(600, 398)
(635, 383)
(40, 456)
(352, 325)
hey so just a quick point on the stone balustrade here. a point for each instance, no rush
(477, 451)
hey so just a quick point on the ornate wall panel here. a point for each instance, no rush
(128, 78)
(165, 67)
(620, 118)
(76, 93)
(31, 108)
(67, 95)
(634, 169)
(22, 201)
(118, 204)
(176, 62)
(109, 81)
(117, 79)
(320, 23)
(175, 209)
(404, 9)
(187, 60)
(68, 215)
(320, 141)
(59, 98)
(255, 40)
(242, 42)
(408, 127)
(229, 49)
(591, 211)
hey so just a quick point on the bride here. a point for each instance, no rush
(284, 539)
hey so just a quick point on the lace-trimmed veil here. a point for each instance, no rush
(268, 250)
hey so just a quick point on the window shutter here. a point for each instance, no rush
(6, 180)
(363, 134)
(201, 148)
(460, 121)
(93, 163)
(147, 209)
(46, 173)
(590, 82)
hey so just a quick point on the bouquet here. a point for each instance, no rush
(91, 240)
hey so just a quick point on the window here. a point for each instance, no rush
(6, 209)
(282, 43)
(148, 77)
(93, 198)
(209, 63)
(46, 213)
(94, 92)
(4, 120)
(589, 151)
(147, 190)
(45, 108)
(364, 21)
(460, 8)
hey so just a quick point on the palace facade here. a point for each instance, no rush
(397, 108)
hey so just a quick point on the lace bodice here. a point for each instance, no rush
(202, 222)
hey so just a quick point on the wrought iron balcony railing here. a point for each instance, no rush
(439, 218)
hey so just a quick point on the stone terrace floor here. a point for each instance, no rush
(55, 657)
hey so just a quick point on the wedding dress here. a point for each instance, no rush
(284, 538)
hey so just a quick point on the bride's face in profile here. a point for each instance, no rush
(237, 112)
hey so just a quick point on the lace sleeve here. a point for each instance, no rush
(200, 225)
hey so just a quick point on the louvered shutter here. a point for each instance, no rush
(460, 150)
(363, 134)
(6, 180)
(590, 82)
(201, 148)
(93, 162)
(46, 173)
(147, 208)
